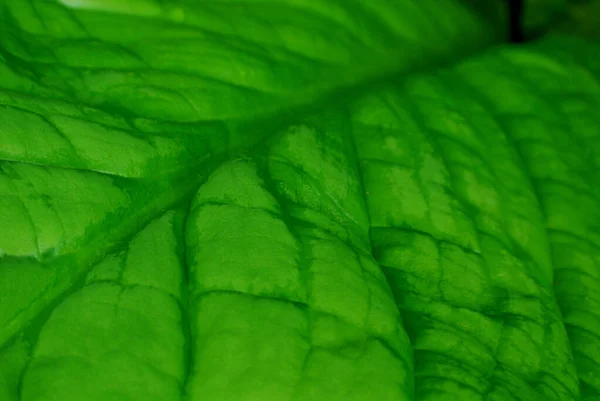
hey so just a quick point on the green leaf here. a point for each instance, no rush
(190, 61)
(481, 184)
(113, 112)
(295, 200)
(560, 147)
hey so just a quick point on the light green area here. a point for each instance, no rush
(296, 201)
(283, 305)
(120, 336)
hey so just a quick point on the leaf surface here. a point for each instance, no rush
(295, 200)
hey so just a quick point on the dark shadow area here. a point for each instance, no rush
(515, 21)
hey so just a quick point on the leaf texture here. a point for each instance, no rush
(296, 200)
